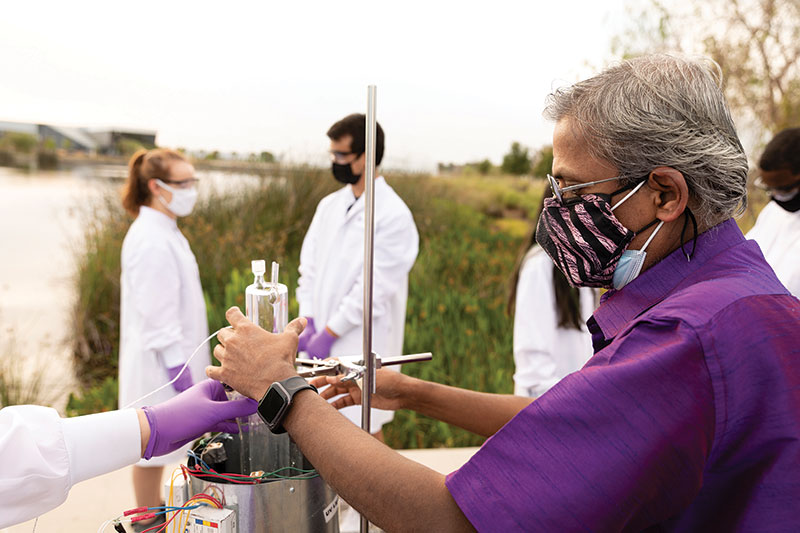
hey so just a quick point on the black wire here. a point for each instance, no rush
(689, 215)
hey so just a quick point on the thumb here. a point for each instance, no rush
(236, 408)
(296, 326)
(235, 317)
(214, 372)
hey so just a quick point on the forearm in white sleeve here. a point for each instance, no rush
(173, 355)
(44, 455)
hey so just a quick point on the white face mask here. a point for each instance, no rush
(182, 202)
(631, 262)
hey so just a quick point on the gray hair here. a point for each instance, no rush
(661, 110)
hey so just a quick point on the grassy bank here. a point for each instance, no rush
(470, 231)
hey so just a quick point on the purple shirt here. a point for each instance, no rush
(687, 418)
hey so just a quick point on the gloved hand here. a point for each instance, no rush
(201, 408)
(305, 337)
(319, 347)
(183, 382)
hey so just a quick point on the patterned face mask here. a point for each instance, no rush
(584, 238)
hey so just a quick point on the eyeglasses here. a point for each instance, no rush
(558, 191)
(183, 184)
(759, 183)
(340, 157)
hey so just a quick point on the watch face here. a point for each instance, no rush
(272, 405)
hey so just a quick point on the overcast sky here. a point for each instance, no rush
(457, 81)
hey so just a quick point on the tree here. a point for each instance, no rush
(484, 167)
(543, 162)
(127, 147)
(266, 157)
(49, 144)
(517, 161)
(23, 143)
(759, 53)
(755, 42)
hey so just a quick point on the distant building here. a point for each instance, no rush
(110, 141)
(18, 127)
(101, 141)
(72, 139)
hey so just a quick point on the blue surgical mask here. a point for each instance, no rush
(631, 262)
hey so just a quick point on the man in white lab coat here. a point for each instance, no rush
(330, 288)
(777, 230)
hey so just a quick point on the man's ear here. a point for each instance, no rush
(672, 192)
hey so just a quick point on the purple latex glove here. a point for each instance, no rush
(183, 382)
(201, 408)
(319, 347)
(305, 337)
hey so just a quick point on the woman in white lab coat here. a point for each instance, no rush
(550, 335)
(162, 309)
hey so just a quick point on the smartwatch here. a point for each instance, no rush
(275, 404)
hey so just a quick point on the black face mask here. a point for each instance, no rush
(792, 205)
(344, 174)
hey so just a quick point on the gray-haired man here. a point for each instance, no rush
(688, 415)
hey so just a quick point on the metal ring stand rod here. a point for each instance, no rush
(369, 233)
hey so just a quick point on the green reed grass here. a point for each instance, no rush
(22, 381)
(457, 288)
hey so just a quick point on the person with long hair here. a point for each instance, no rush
(550, 335)
(162, 309)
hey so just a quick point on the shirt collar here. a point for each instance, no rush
(355, 205)
(148, 213)
(618, 307)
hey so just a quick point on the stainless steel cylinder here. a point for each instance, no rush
(280, 505)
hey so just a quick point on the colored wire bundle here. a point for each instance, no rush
(243, 479)
(192, 503)
(145, 513)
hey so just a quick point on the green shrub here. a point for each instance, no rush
(100, 398)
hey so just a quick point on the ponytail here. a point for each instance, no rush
(144, 166)
(135, 193)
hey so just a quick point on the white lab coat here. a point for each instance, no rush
(162, 313)
(544, 352)
(44, 455)
(330, 288)
(777, 232)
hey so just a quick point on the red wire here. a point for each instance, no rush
(197, 470)
(212, 473)
(163, 527)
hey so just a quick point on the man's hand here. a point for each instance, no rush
(390, 388)
(252, 359)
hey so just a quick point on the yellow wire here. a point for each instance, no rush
(171, 493)
(185, 519)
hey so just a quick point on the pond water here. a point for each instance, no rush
(41, 219)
